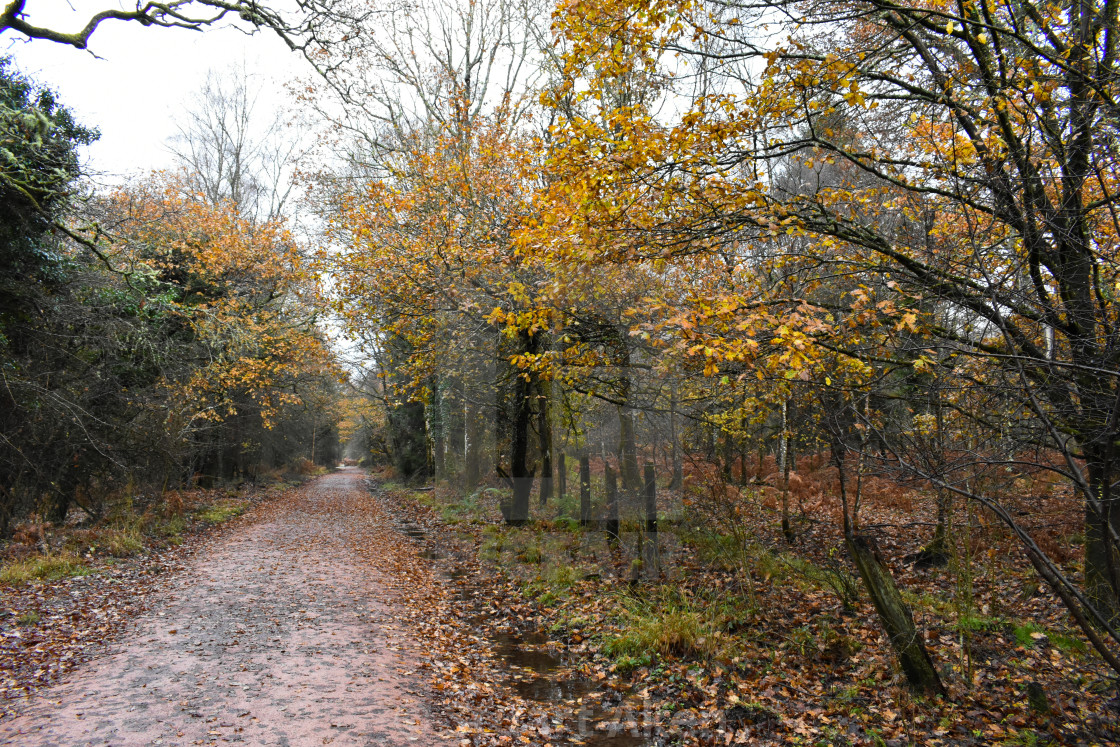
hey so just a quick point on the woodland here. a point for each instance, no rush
(764, 352)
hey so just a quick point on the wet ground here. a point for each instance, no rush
(534, 670)
(276, 633)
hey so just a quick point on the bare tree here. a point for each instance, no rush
(427, 65)
(233, 148)
(193, 14)
(313, 28)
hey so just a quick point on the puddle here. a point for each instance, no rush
(597, 724)
(594, 718)
(514, 651)
(416, 534)
(547, 690)
(605, 739)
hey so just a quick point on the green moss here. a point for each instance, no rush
(715, 549)
(625, 664)
(563, 576)
(494, 542)
(934, 603)
(530, 554)
(172, 528)
(975, 623)
(124, 544)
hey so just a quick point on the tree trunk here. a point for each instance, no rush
(239, 448)
(436, 431)
(472, 444)
(743, 452)
(674, 439)
(651, 559)
(895, 616)
(63, 494)
(784, 458)
(519, 452)
(938, 547)
(1102, 556)
(611, 523)
(561, 475)
(628, 448)
(728, 456)
(544, 438)
(409, 440)
(454, 427)
(584, 490)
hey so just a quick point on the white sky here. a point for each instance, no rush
(144, 78)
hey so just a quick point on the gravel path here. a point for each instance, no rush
(278, 633)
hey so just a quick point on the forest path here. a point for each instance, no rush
(277, 633)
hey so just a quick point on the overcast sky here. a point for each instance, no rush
(145, 77)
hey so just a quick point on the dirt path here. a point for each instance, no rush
(278, 633)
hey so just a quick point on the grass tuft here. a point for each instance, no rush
(28, 619)
(1068, 644)
(222, 511)
(123, 543)
(669, 624)
(43, 568)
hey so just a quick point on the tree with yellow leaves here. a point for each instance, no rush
(236, 295)
(957, 157)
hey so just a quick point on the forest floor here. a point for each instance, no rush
(744, 638)
(353, 610)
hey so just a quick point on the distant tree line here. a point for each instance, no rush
(149, 337)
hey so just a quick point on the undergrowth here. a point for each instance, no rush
(44, 568)
(222, 511)
(40, 551)
(665, 621)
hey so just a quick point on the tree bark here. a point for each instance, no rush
(628, 448)
(1102, 556)
(584, 490)
(651, 559)
(472, 444)
(436, 429)
(611, 523)
(674, 439)
(408, 439)
(785, 458)
(520, 471)
(452, 416)
(544, 438)
(895, 617)
(728, 455)
(561, 475)
(743, 451)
